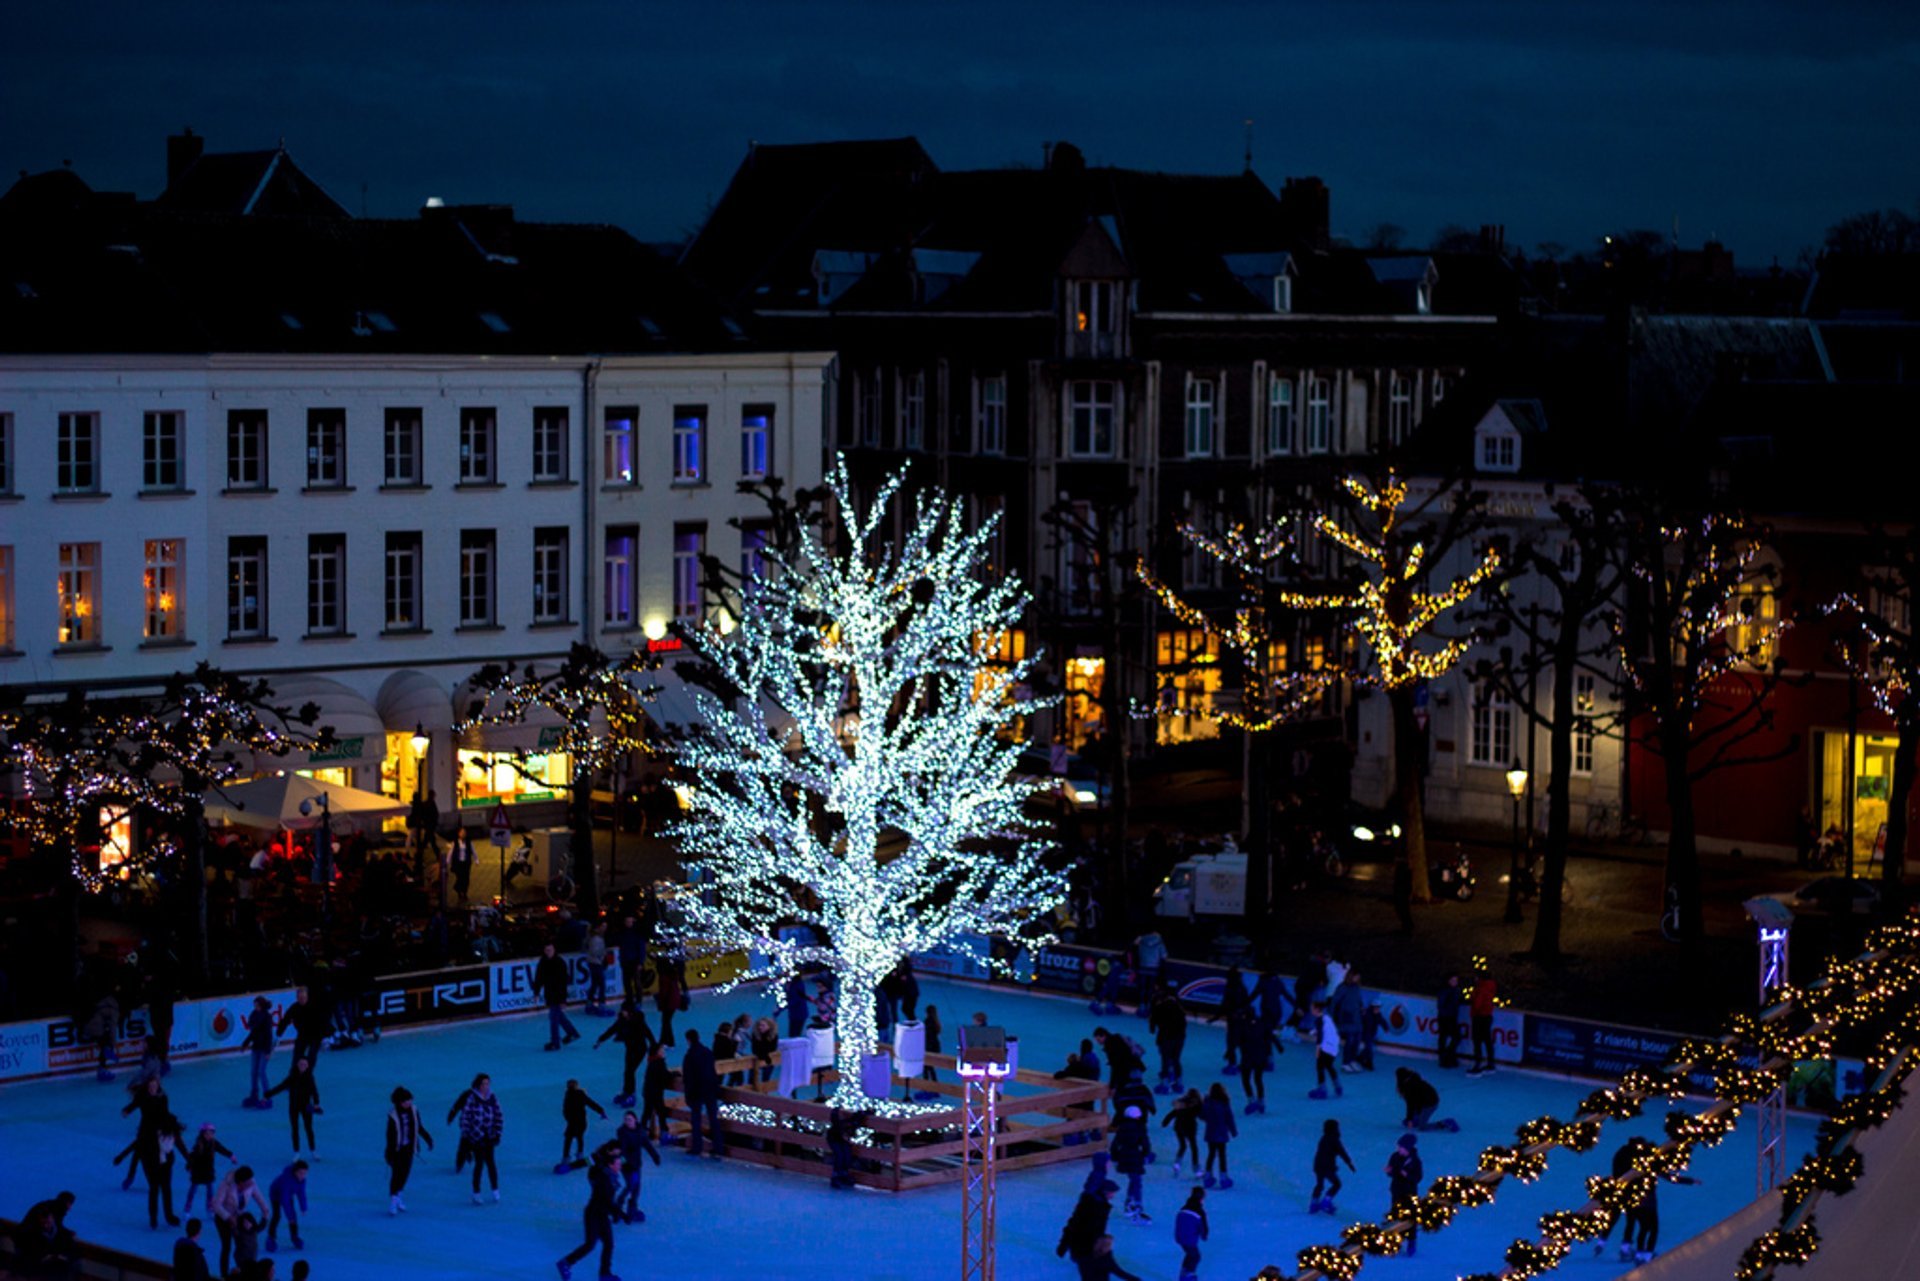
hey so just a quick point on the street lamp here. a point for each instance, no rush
(1516, 788)
(421, 742)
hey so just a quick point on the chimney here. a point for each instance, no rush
(1064, 157)
(1493, 238)
(183, 149)
(1305, 207)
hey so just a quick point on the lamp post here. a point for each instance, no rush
(1516, 788)
(421, 743)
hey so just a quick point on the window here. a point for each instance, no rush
(753, 553)
(550, 575)
(162, 452)
(79, 455)
(1079, 560)
(477, 428)
(756, 442)
(246, 449)
(1092, 411)
(1497, 453)
(619, 426)
(1189, 674)
(476, 578)
(7, 634)
(79, 593)
(1399, 408)
(992, 414)
(1200, 396)
(403, 582)
(326, 584)
(912, 402)
(1583, 709)
(1094, 322)
(689, 444)
(1279, 414)
(1198, 568)
(1755, 625)
(402, 447)
(165, 609)
(326, 449)
(1319, 415)
(1490, 741)
(550, 444)
(866, 409)
(689, 545)
(619, 605)
(6, 455)
(246, 588)
(1283, 292)
(1439, 388)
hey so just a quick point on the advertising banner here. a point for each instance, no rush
(712, 971)
(1084, 971)
(220, 1022)
(66, 1047)
(23, 1049)
(1203, 987)
(511, 987)
(949, 961)
(395, 1000)
(1413, 1023)
(1603, 1049)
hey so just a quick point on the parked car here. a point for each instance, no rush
(1835, 896)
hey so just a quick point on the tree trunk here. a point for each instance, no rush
(1259, 837)
(1893, 868)
(1683, 851)
(855, 1032)
(1408, 795)
(194, 832)
(586, 878)
(1546, 925)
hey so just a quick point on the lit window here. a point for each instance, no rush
(619, 428)
(326, 584)
(326, 448)
(79, 593)
(247, 588)
(162, 452)
(1094, 322)
(403, 581)
(1583, 710)
(477, 429)
(753, 553)
(1189, 676)
(247, 449)
(1490, 740)
(79, 454)
(476, 577)
(756, 442)
(1092, 416)
(1756, 622)
(402, 448)
(992, 414)
(1200, 398)
(550, 444)
(619, 607)
(1279, 414)
(689, 444)
(1319, 416)
(689, 545)
(161, 582)
(550, 575)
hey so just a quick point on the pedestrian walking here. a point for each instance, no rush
(700, 1087)
(201, 1156)
(1421, 1101)
(1184, 1117)
(460, 863)
(551, 980)
(932, 1024)
(259, 1046)
(405, 1134)
(629, 1027)
(1486, 993)
(1325, 1069)
(230, 1200)
(1326, 1167)
(303, 1101)
(633, 1142)
(1404, 1173)
(1189, 1230)
(602, 1196)
(287, 1190)
(1216, 1116)
(1452, 998)
(574, 1105)
(482, 1122)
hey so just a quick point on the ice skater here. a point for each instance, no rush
(551, 980)
(405, 1134)
(1184, 1117)
(1404, 1173)
(1130, 1145)
(629, 1027)
(633, 1142)
(157, 1163)
(1087, 1225)
(574, 1105)
(1486, 996)
(1253, 1046)
(1216, 1114)
(603, 1191)
(653, 1095)
(289, 1188)
(1326, 1070)
(201, 1156)
(1189, 1230)
(229, 1206)
(1326, 1167)
(1167, 1020)
(700, 1089)
(463, 1151)
(481, 1124)
(1421, 1101)
(148, 1097)
(303, 1101)
(259, 1046)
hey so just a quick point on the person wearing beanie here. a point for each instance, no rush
(1130, 1144)
(1326, 1167)
(405, 1134)
(1404, 1173)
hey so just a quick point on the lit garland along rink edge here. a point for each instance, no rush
(871, 691)
(1880, 986)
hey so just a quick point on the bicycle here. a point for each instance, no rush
(1531, 882)
(1670, 916)
(1602, 815)
(560, 886)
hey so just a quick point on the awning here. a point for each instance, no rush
(410, 699)
(359, 735)
(671, 707)
(541, 731)
(276, 801)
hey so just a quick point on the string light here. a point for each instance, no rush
(883, 836)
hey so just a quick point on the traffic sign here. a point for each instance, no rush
(502, 827)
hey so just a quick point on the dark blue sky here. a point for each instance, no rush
(1760, 122)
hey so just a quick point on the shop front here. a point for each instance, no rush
(416, 714)
(1853, 784)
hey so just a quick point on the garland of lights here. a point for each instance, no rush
(1891, 664)
(592, 693)
(861, 781)
(1880, 986)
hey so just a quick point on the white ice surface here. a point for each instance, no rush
(727, 1220)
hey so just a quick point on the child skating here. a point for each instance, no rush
(1326, 1167)
(1189, 1230)
(1326, 1069)
(632, 1140)
(405, 1134)
(200, 1165)
(303, 1102)
(288, 1188)
(1184, 1117)
(573, 1108)
(1216, 1114)
(1404, 1173)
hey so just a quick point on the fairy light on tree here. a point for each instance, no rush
(860, 783)
(599, 709)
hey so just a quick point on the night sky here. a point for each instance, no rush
(1761, 123)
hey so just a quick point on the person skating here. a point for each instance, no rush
(259, 1046)
(1184, 1117)
(405, 1134)
(1129, 1145)
(247, 1264)
(726, 1045)
(1623, 1160)
(310, 1020)
(1216, 1116)
(1421, 1101)
(157, 1164)
(597, 962)
(1643, 1220)
(1251, 1047)
(482, 1122)
(1122, 1060)
(670, 994)
(1404, 1173)
(602, 1194)
(632, 1138)
(551, 980)
(700, 1087)
(1452, 997)
(1100, 1264)
(1189, 1230)
(201, 1156)
(230, 1200)
(1088, 1222)
(1326, 1167)
(289, 1188)
(1167, 1020)
(574, 1105)
(189, 1256)
(1348, 1007)
(462, 1151)
(1486, 994)
(629, 1027)
(303, 1100)
(1081, 1066)
(146, 1096)
(1233, 998)
(653, 1095)
(1325, 1069)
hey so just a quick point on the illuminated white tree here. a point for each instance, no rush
(860, 782)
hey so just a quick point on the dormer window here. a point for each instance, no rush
(1093, 318)
(1499, 451)
(1283, 293)
(1423, 298)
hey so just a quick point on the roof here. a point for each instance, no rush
(1865, 287)
(249, 183)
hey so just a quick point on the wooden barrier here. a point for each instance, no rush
(94, 1261)
(1037, 1113)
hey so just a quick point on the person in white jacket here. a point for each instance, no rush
(1326, 1049)
(229, 1200)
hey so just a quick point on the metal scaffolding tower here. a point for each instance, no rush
(983, 1067)
(1774, 920)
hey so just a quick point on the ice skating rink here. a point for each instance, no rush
(708, 1219)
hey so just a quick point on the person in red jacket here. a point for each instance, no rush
(1485, 994)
